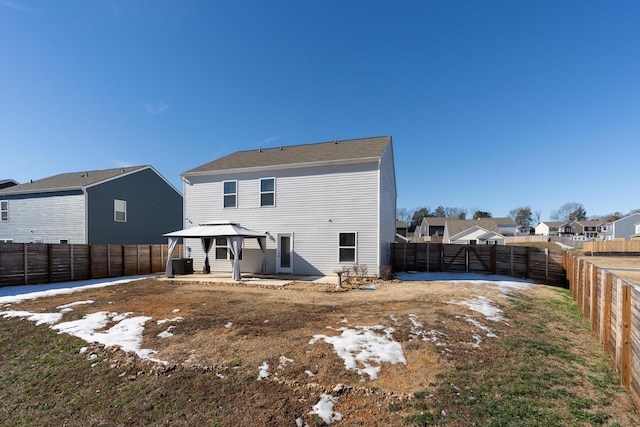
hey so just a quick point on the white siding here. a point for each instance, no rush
(314, 204)
(47, 218)
(387, 207)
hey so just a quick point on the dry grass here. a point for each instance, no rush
(545, 367)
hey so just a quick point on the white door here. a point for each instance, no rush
(284, 261)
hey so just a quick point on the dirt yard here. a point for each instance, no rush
(620, 266)
(284, 335)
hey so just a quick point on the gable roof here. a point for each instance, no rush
(70, 181)
(552, 223)
(457, 226)
(346, 151)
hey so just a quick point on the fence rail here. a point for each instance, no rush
(612, 306)
(515, 261)
(609, 246)
(34, 263)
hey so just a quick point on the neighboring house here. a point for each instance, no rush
(5, 183)
(524, 230)
(130, 205)
(623, 228)
(431, 227)
(483, 231)
(324, 206)
(401, 228)
(549, 228)
(584, 229)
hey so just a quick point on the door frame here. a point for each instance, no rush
(279, 267)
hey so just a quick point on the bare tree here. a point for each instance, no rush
(403, 214)
(570, 212)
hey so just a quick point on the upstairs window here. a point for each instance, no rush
(230, 194)
(120, 210)
(347, 247)
(4, 210)
(267, 192)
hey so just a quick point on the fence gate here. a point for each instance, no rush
(468, 258)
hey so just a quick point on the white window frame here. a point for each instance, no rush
(4, 210)
(273, 192)
(6, 240)
(354, 247)
(234, 194)
(218, 245)
(123, 203)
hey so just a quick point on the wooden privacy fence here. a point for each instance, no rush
(612, 306)
(34, 263)
(515, 261)
(609, 246)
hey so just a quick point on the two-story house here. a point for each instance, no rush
(323, 206)
(549, 228)
(623, 228)
(129, 205)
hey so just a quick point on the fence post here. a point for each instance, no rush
(71, 261)
(50, 252)
(594, 298)
(511, 262)
(546, 264)
(108, 260)
(625, 369)
(25, 263)
(606, 309)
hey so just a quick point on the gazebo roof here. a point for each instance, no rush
(215, 229)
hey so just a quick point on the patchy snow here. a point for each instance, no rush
(324, 409)
(263, 371)
(479, 325)
(482, 305)
(167, 333)
(39, 318)
(175, 319)
(364, 348)
(14, 294)
(284, 362)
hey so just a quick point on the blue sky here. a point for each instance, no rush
(492, 105)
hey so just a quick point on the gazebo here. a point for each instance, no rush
(208, 231)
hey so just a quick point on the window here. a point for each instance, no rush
(267, 192)
(120, 210)
(230, 193)
(222, 251)
(347, 247)
(6, 240)
(4, 210)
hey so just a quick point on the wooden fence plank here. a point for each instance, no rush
(34, 263)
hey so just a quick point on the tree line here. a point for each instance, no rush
(522, 215)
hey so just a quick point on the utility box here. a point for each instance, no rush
(182, 265)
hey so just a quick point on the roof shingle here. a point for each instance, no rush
(353, 149)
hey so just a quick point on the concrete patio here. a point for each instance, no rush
(251, 278)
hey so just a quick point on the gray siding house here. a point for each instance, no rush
(623, 228)
(130, 205)
(324, 206)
